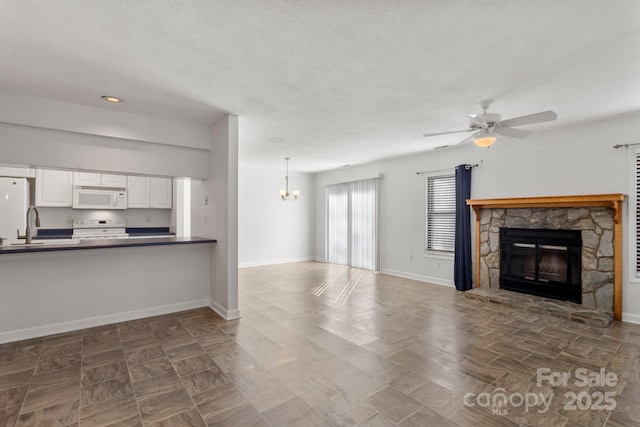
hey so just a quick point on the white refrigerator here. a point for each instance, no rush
(14, 202)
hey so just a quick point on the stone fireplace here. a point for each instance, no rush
(596, 227)
(594, 220)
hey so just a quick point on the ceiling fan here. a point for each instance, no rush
(488, 126)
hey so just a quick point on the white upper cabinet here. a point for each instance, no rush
(99, 179)
(161, 193)
(109, 180)
(54, 188)
(138, 191)
(17, 172)
(86, 178)
(149, 192)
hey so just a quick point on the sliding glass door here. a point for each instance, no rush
(352, 223)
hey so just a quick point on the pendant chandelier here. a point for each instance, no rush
(284, 194)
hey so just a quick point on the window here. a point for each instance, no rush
(637, 211)
(352, 223)
(440, 213)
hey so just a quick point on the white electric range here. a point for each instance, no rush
(84, 228)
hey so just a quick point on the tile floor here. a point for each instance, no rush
(323, 345)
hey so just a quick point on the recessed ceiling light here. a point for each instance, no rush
(112, 99)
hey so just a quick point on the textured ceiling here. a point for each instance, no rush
(329, 83)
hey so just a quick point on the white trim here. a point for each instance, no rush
(631, 318)
(274, 261)
(421, 278)
(319, 259)
(90, 322)
(226, 315)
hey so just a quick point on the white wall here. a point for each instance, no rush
(33, 111)
(402, 217)
(272, 231)
(573, 160)
(42, 132)
(218, 218)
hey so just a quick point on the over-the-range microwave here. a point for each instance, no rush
(92, 197)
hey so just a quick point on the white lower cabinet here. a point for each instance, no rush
(149, 192)
(54, 188)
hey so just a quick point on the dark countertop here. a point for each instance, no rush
(103, 243)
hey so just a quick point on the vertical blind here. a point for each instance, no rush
(440, 215)
(352, 223)
(637, 213)
(338, 224)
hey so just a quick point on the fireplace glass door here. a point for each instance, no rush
(523, 260)
(553, 263)
(541, 262)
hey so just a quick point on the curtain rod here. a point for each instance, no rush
(475, 165)
(625, 145)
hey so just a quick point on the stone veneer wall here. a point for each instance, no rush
(596, 224)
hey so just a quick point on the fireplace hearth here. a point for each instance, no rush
(541, 262)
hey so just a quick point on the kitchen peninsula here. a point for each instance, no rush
(56, 287)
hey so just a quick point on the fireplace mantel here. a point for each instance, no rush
(613, 201)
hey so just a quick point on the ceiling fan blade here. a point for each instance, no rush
(468, 139)
(448, 132)
(511, 132)
(477, 119)
(544, 116)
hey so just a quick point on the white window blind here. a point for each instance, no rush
(440, 213)
(637, 236)
(352, 223)
(364, 224)
(338, 224)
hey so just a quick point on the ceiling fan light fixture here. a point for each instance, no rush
(490, 125)
(484, 139)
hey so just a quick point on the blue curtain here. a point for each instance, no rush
(462, 254)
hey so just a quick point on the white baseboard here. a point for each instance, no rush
(223, 312)
(273, 262)
(319, 259)
(74, 325)
(434, 280)
(631, 318)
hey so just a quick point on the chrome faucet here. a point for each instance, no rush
(27, 232)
